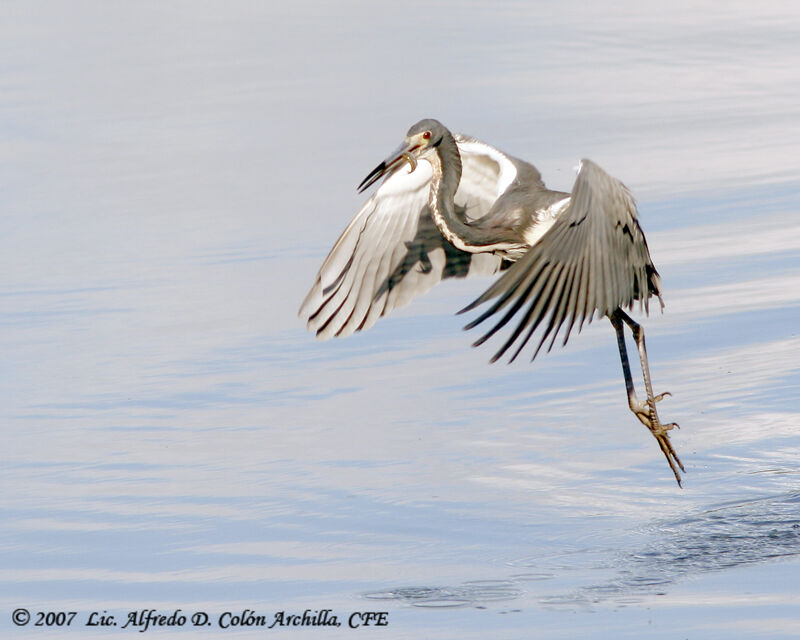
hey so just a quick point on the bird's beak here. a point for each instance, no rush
(403, 153)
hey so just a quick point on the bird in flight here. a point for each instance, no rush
(462, 207)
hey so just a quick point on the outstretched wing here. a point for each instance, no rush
(593, 259)
(393, 251)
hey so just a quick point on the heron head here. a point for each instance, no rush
(426, 135)
(420, 141)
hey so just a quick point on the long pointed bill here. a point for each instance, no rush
(402, 154)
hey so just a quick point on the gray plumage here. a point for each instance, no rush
(593, 259)
(461, 208)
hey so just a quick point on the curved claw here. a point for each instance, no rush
(661, 396)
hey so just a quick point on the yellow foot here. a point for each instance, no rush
(648, 416)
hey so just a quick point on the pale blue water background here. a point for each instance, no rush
(171, 177)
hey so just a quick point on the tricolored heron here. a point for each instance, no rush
(464, 207)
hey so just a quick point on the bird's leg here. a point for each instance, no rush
(645, 411)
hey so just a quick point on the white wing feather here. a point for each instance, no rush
(392, 251)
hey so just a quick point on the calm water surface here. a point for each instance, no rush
(172, 176)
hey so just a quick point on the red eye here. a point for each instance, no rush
(427, 135)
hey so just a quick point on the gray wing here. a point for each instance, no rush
(593, 259)
(392, 251)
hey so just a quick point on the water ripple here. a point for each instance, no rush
(467, 594)
(724, 537)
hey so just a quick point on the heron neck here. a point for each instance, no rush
(447, 169)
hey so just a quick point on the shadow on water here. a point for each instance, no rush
(723, 537)
(471, 593)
